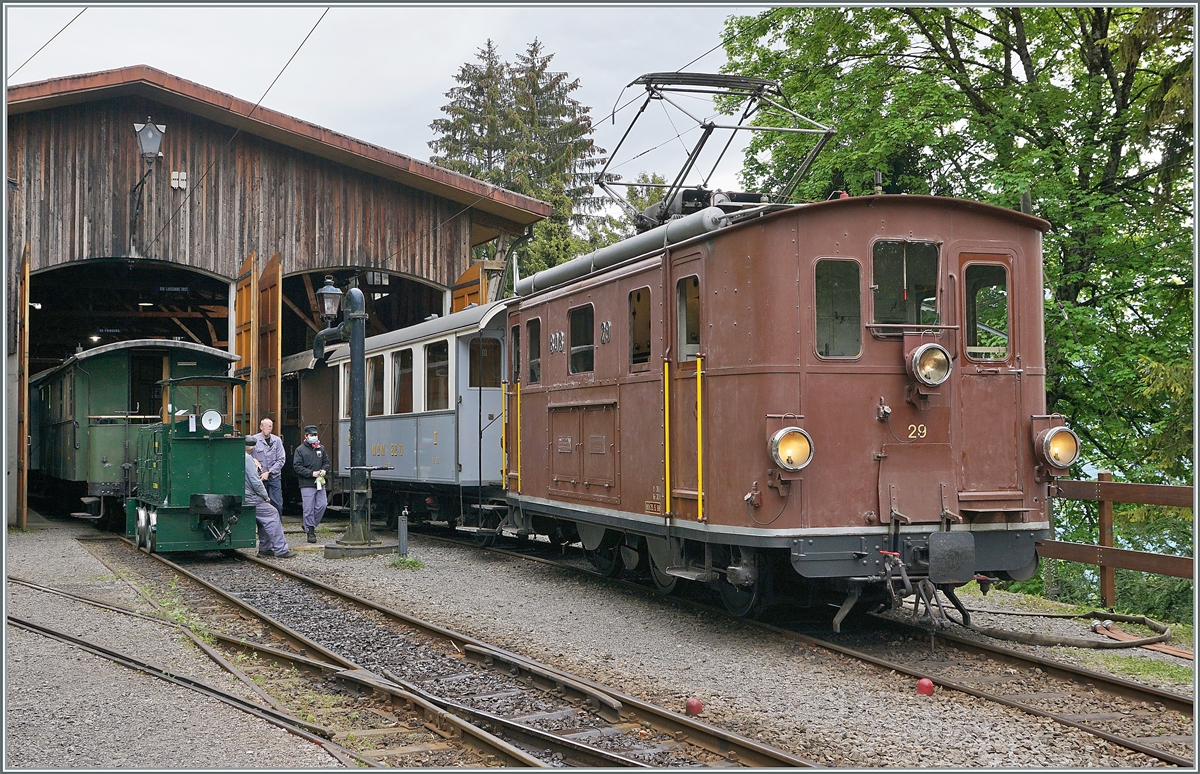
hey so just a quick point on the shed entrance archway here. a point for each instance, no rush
(90, 303)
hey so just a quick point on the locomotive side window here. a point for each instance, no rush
(839, 317)
(581, 322)
(375, 386)
(986, 310)
(639, 326)
(402, 381)
(514, 347)
(905, 276)
(535, 351)
(346, 391)
(688, 308)
(437, 376)
(485, 363)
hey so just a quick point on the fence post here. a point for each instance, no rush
(1108, 575)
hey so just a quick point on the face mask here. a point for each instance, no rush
(312, 439)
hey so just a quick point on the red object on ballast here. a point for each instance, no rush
(925, 686)
(694, 706)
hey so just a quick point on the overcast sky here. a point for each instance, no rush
(380, 73)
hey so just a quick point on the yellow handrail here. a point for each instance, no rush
(503, 433)
(699, 442)
(518, 438)
(667, 432)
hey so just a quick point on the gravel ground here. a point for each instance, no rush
(70, 709)
(815, 704)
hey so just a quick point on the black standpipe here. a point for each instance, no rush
(354, 330)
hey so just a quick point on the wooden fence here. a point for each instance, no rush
(1106, 491)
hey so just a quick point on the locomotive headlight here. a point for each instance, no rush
(1058, 447)
(930, 363)
(791, 448)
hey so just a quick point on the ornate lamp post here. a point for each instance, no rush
(354, 330)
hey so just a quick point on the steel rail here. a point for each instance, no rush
(308, 731)
(1110, 684)
(469, 734)
(701, 734)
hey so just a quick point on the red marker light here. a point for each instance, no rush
(925, 686)
(694, 706)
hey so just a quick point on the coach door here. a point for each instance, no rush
(989, 394)
(686, 354)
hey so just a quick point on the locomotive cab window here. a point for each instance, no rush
(535, 351)
(402, 381)
(514, 346)
(688, 310)
(484, 369)
(839, 317)
(375, 386)
(437, 376)
(639, 326)
(582, 323)
(904, 281)
(986, 311)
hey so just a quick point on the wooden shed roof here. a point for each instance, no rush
(147, 82)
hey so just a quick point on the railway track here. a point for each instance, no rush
(1149, 720)
(550, 717)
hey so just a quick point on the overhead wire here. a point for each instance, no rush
(245, 120)
(48, 42)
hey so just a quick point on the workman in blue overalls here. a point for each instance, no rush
(271, 541)
(271, 455)
(311, 464)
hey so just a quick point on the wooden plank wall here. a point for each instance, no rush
(75, 166)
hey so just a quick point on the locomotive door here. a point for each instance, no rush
(989, 395)
(686, 351)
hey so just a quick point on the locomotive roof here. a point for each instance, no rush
(134, 344)
(473, 317)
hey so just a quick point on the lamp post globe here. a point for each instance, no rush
(331, 300)
(149, 136)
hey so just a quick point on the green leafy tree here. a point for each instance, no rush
(517, 125)
(1087, 109)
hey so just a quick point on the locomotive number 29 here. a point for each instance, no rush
(916, 431)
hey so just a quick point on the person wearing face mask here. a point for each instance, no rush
(311, 464)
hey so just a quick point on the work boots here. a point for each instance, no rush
(312, 535)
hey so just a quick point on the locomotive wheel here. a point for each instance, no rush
(607, 560)
(152, 540)
(663, 583)
(139, 532)
(487, 521)
(744, 601)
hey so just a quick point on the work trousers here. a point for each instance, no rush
(270, 530)
(314, 506)
(274, 486)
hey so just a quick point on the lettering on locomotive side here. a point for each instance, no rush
(605, 332)
(556, 341)
(565, 444)
(654, 506)
(596, 444)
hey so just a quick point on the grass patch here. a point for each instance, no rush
(324, 530)
(1135, 667)
(405, 563)
(13, 529)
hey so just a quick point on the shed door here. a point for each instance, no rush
(245, 334)
(989, 394)
(268, 354)
(23, 407)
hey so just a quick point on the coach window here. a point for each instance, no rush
(375, 386)
(986, 288)
(437, 376)
(485, 363)
(402, 381)
(688, 310)
(346, 391)
(905, 283)
(514, 346)
(639, 326)
(581, 322)
(839, 321)
(535, 351)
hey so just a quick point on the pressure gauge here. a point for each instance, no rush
(211, 420)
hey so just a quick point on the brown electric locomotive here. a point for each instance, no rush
(849, 393)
